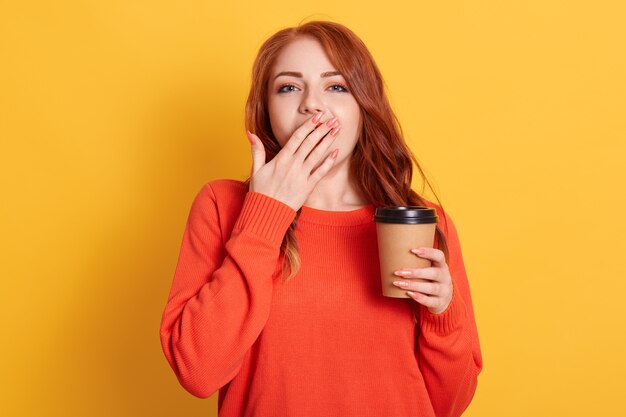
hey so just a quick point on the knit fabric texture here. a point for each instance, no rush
(325, 343)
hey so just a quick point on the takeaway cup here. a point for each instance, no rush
(400, 229)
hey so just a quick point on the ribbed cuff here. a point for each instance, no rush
(264, 216)
(446, 321)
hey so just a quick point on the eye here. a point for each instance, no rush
(343, 89)
(285, 88)
(281, 89)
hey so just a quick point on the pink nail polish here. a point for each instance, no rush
(249, 136)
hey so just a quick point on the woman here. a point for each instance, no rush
(276, 297)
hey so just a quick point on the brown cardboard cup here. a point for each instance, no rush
(400, 229)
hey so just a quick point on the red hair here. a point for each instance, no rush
(381, 163)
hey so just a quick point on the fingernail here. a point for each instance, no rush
(331, 121)
(317, 117)
(418, 251)
(249, 135)
(335, 130)
(401, 273)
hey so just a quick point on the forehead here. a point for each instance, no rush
(303, 54)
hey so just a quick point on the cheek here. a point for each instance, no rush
(278, 123)
(351, 130)
(351, 123)
(282, 131)
(349, 113)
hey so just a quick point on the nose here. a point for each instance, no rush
(311, 103)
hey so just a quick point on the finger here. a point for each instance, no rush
(258, 152)
(316, 156)
(300, 134)
(314, 141)
(435, 255)
(423, 299)
(427, 273)
(323, 169)
(429, 288)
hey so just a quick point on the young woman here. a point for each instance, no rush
(276, 299)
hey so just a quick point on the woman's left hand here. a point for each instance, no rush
(436, 294)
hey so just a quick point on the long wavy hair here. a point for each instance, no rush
(381, 163)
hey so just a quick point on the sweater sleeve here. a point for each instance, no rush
(448, 349)
(221, 293)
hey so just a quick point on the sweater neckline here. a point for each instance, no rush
(361, 215)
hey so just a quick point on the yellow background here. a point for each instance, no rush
(114, 114)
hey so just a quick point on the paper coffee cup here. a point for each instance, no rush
(400, 229)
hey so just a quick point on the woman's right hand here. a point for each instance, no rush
(290, 176)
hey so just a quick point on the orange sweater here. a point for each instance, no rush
(326, 343)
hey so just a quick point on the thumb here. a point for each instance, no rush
(258, 151)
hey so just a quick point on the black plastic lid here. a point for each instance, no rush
(406, 215)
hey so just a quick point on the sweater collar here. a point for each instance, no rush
(361, 215)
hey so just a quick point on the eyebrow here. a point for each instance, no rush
(299, 74)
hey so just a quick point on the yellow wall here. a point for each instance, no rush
(114, 113)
